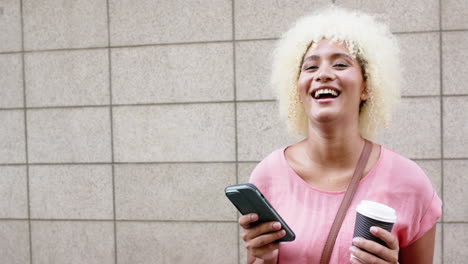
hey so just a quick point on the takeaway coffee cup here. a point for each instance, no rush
(368, 214)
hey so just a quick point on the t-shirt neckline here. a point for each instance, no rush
(292, 173)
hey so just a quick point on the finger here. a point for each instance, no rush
(263, 240)
(386, 236)
(364, 257)
(265, 252)
(260, 229)
(246, 220)
(376, 249)
(355, 260)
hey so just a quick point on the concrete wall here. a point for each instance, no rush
(122, 121)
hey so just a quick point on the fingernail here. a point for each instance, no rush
(374, 229)
(357, 240)
(352, 249)
(282, 233)
(253, 217)
(276, 225)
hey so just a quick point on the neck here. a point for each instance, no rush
(335, 147)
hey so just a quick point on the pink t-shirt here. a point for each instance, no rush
(394, 180)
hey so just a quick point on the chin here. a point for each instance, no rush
(324, 117)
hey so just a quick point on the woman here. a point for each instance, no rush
(337, 74)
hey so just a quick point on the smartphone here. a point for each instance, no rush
(248, 199)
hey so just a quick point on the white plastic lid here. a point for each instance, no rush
(377, 211)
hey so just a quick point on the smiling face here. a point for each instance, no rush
(331, 85)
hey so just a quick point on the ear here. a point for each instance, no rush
(364, 92)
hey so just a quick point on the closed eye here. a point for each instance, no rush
(311, 68)
(341, 65)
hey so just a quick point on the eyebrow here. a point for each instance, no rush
(316, 57)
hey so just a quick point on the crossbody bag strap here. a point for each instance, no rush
(348, 197)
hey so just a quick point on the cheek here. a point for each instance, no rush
(303, 83)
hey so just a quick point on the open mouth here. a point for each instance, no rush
(324, 93)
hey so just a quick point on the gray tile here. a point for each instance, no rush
(69, 135)
(455, 192)
(242, 249)
(11, 80)
(13, 192)
(176, 242)
(454, 14)
(187, 132)
(72, 242)
(266, 19)
(454, 62)
(12, 143)
(455, 243)
(260, 130)
(433, 170)
(145, 22)
(437, 259)
(415, 129)
(174, 192)
(421, 63)
(455, 127)
(244, 171)
(55, 24)
(14, 245)
(253, 69)
(62, 78)
(400, 15)
(71, 192)
(10, 25)
(172, 73)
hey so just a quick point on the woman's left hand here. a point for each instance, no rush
(384, 254)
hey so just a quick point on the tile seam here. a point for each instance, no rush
(236, 151)
(201, 42)
(182, 162)
(109, 62)
(117, 220)
(441, 93)
(194, 103)
(28, 196)
(26, 134)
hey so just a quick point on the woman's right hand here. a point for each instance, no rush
(260, 239)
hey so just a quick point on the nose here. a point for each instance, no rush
(324, 75)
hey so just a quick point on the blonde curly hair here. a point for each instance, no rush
(370, 41)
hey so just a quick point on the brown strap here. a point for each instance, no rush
(348, 197)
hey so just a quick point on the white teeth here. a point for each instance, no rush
(325, 91)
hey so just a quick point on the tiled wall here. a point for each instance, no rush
(122, 121)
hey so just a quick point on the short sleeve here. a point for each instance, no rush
(430, 216)
(260, 176)
(263, 174)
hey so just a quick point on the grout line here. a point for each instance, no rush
(120, 46)
(201, 42)
(151, 220)
(454, 30)
(111, 118)
(181, 162)
(441, 93)
(118, 220)
(190, 103)
(119, 163)
(234, 69)
(28, 196)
